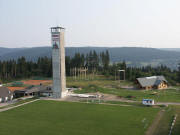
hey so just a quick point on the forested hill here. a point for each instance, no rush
(134, 56)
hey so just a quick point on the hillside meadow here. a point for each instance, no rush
(110, 86)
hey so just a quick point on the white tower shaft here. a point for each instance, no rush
(58, 62)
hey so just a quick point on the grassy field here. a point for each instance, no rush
(99, 81)
(165, 123)
(176, 130)
(65, 118)
(116, 88)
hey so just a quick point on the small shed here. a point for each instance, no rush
(46, 91)
(148, 102)
(5, 94)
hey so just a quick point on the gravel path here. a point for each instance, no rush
(8, 108)
(155, 123)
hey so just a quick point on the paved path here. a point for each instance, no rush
(72, 99)
(7, 103)
(154, 125)
(8, 108)
(167, 103)
(129, 101)
(14, 101)
(83, 102)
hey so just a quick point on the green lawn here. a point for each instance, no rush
(65, 118)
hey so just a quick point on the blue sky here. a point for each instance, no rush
(110, 23)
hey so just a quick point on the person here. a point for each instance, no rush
(55, 46)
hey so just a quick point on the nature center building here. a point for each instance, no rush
(153, 82)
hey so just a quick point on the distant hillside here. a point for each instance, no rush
(170, 49)
(4, 51)
(134, 56)
(30, 53)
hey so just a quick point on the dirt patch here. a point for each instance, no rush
(37, 82)
(110, 97)
(16, 88)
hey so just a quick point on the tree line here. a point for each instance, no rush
(12, 70)
(92, 61)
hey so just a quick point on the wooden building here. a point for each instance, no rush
(153, 82)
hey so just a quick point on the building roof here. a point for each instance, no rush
(46, 89)
(12, 89)
(57, 27)
(34, 89)
(148, 99)
(151, 81)
(5, 92)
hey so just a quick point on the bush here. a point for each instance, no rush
(29, 87)
(129, 96)
(119, 96)
(74, 86)
(17, 84)
(38, 78)
(91, 88)
(162, 105)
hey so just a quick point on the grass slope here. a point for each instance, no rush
(63, 118)
(164, 125)
(176, 130)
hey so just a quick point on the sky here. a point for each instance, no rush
(109, 23)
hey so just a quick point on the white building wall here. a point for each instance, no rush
(11, 97)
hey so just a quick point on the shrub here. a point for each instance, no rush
(17, 84)
(129, 96)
